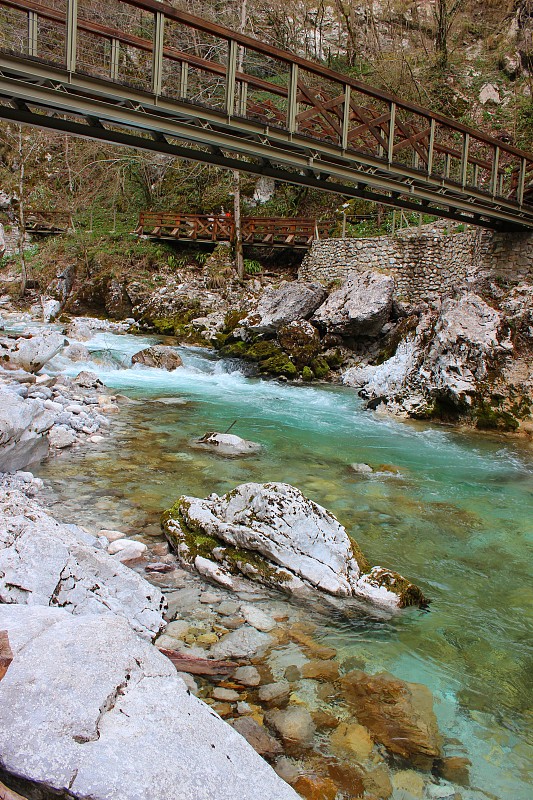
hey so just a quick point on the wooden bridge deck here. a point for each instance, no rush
(256, 231)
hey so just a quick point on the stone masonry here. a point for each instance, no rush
(426, 263)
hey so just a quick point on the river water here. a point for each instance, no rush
(450, 510)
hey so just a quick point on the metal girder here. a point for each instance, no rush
(198, 126)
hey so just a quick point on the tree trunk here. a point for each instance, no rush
(24, 276)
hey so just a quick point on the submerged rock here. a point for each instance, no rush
(159, 356)
(226, 444)
(360, 308)
(271, 533)
(398, 714)
(88, 709)
(23, 425)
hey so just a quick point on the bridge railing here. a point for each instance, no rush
(274, 231)
(169, 53)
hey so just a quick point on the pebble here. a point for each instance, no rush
(257, 618)
(275, 692)
(209, 597)
(227, 695)
(228, 608)
(118, 545)
(409, 781)
(353, 739)
(177, 629)
(258, 737)
(96, 438)
(287, 769)
(207, 638)
(244, 708)
(189, 681)
(234, 622)
(248, 676)
(295, 725)
(72, 408)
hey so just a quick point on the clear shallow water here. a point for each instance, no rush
(454, 515)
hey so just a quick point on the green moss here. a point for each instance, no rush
(307, 374)
(334, 359)
(262, 350)
(279, 365)
(198, 543)
(362, 561)
(320, 367)
(232, 319)
(491, 419)
(408, 593)
(235, 350)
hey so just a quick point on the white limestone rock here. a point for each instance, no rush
(282, 304)
(292, 543)
(45, 562)
(226, 444)
(90, 710)
(23, 425)
(361, 306)
(59, 436)
(32, 354)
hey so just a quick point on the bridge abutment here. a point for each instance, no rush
(427, 263)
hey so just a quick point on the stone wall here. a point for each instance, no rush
(426, 263)
(9, 240)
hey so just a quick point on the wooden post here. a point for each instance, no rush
(115, 59)
(291, 102)
(32, 33)
(394, 222)
(157, 52)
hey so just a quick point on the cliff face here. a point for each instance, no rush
(469, 360)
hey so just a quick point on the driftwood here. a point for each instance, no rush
(198, 666)
(6, 654)
(9, 794)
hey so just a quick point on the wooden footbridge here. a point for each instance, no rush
(144, 74)
(256, 231)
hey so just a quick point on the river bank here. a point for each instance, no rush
(422, 480)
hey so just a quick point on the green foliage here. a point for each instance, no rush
(201, 257)
(252, 267)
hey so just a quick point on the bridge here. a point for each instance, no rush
(143, 74)
(294, 232)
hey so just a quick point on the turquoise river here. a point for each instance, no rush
(449, 509)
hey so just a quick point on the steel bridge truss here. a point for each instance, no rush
(143, 74)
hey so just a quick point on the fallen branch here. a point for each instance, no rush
(198, 666)
(6, 654)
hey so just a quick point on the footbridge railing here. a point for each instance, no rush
(293, 232)
(142, 73)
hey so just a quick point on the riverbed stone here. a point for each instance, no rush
(242, 643)
(23, 427)
(45, 562)
(257, 618)
(255, 734)
(275, 693)
(272, 533)
(226, 695)
(294, 724)
(248, 676)
(60, 436)
(353, 739)
(399, 715)
(90, 710)
(159, 356)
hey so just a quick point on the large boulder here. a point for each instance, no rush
(398, 714)
(44, 562)
(282, 304)
(87, 709)
(33, 353)
(273, 534)
(159, 356)
(360, 308)
(23, 427)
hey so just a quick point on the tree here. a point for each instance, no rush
(445, 12)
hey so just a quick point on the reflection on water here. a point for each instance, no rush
(451, 511)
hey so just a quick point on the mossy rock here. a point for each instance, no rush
(189, 543)
(262, 350)
(301, 341)
(492, 419)
(320, 367)
(232, 319)
(279, 365)
(334, 358)
(307, 374)
(235, 350)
